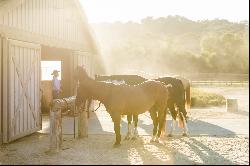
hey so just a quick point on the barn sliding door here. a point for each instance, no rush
(21, 89)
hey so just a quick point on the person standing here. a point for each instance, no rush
(56, 85)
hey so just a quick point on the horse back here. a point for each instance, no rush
(138, 98)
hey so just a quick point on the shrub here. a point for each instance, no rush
(201, 98)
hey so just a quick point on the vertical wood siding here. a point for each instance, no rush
(80, 58)
(21, 109)
(55, 19)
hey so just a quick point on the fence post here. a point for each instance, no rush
(83, 122)
(55, 129)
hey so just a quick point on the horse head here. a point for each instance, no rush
(81, 75)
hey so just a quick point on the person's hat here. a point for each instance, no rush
(55, 72)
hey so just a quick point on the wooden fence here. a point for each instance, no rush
(219, 83)
(218, 79)
(222, 79)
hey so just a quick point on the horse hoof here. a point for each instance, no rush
(184, 135)
(170, 135)
(116, 145)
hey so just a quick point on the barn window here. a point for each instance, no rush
(48, 67)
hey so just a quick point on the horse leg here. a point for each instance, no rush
(161, 121)
(153, 115)
(117, 120)
(182, 113)
(129, 119)
(135, 120)
(185, 133)
(174, 115)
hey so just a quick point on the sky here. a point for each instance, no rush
(135, 10)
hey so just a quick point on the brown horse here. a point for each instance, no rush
(178, 96)
(124, 99)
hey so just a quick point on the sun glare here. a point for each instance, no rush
(135, 10)
(48, 67)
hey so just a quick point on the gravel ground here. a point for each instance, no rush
(216, 137)
(97, 149)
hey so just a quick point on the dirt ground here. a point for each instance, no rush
(97, 149)
(216, 137)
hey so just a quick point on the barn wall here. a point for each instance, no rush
(54, 23)
(80, 58)
(51, 23)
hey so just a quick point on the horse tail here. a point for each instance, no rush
(188, 96)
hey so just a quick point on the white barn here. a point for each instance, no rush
(32, 31)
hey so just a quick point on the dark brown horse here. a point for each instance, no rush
(124, 99)
(186, 85)
(176, 103)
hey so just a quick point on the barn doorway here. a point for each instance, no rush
(54, 58)
(47, 68)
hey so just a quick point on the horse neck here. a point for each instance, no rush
(98, 90)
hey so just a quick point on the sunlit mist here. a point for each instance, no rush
(164, 37)
(134, 10)
(47, 68)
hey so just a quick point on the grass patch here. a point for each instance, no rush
(201, 98)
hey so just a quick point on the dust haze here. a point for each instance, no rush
(173, 45)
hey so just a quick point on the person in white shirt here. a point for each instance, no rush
(56, 85)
